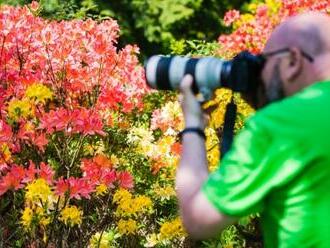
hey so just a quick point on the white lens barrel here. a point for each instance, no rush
(164, 72)
(208, 73)
(151, 70)
(177, 71)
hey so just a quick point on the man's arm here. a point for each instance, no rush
(201, 219)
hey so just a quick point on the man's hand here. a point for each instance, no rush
(192, 110)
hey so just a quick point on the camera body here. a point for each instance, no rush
(241, 74)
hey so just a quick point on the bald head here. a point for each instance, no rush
(309, 32)
(306, 58)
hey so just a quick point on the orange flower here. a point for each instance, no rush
(102, 161)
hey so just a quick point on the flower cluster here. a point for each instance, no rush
(61, 77)
(71, 215)
(172, 229)
(252, 29)
(169, 118)
(126, 227)
(103, 240)
(127, 205)
(59, 82)
(162, 152)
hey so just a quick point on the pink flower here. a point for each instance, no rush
(87, 122)
(109, 177)
(125, 180)
(5, 132)
(231, 16)
(46, 172)
(40, 141)
(30, 172)
(12, 180)
(75, 187)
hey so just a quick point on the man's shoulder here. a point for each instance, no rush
(308, 101)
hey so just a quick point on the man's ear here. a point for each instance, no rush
(294, 65)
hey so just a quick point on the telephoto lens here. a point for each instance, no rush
(241, 74)
(166, 73)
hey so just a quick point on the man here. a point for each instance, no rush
(279, 164)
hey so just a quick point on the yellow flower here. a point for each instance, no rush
(127, 226)
(140, 135)
(20, 108)
(152, 240)
(71, 215)
(43, 219)
(114, 160)
(38, 190)
(125, 208)
(273, 5)
(104, 240)
(164, 144)
(149, 149)
(129, 205)
(212, 147)
(5, 153)
(39, 93)
(164, 192)
(142, 204)
(121, 195)
(92, 149)
(172, 161)
(101, 189)
(35, 214)
(172, 229)
(27, 217)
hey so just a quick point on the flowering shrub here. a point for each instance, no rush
(71, 169)
(253, 28)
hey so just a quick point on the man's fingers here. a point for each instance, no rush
(186, 83)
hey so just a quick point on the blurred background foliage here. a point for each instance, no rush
(157, 26)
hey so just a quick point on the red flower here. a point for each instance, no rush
(30, 172)
(99, 170)
(87, 122)
(40, 141)
(57, 120)
(46, 172)
(125, 180)
(61, 187)
(231, 16)
(75, 187)
(5, 132)
(176, 148)
(109, 177)
(13, 179)
(91, 170)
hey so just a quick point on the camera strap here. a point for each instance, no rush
(228, 129)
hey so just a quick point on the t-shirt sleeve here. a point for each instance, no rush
(257, 163)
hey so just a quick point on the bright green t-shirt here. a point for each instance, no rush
(279, 166)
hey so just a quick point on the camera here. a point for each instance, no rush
(241, 74)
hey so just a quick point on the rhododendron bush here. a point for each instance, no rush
(72, 168)
(87, 152)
